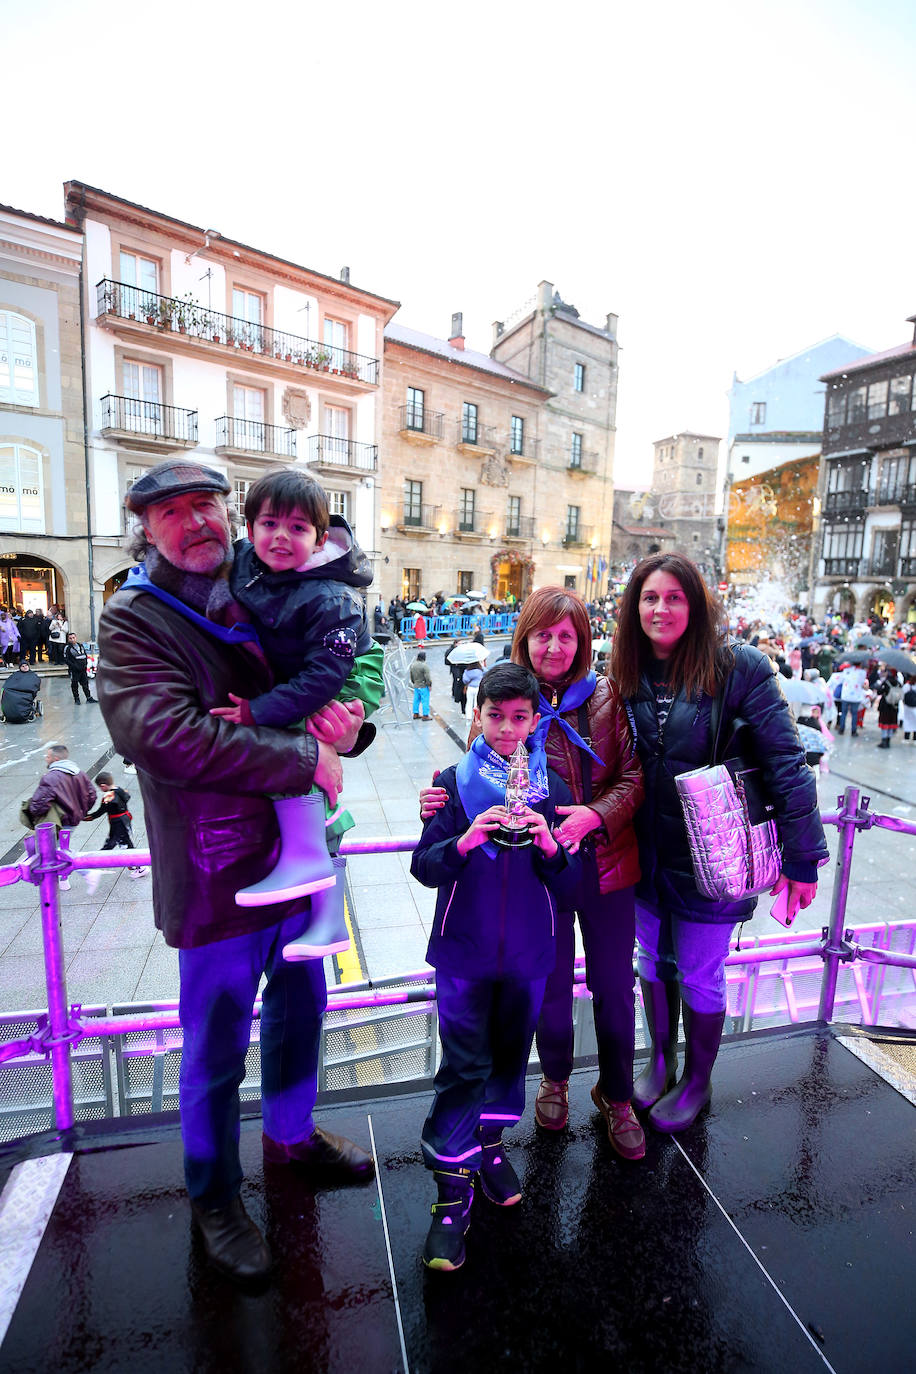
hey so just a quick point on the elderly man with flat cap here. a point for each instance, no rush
(174, 644)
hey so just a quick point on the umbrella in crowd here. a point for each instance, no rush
(468, 653)
(897, 660)
(795, 689)
(856, 656)
(419, 606)
(454, 601)
(869, 642)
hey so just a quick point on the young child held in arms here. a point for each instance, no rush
(492, 946)
(298, 575)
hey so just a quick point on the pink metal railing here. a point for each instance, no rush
(47, 860)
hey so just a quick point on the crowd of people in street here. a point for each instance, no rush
(33, 634)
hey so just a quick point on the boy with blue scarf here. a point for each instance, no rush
(493, 943)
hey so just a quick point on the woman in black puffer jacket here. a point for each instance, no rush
(670, 659)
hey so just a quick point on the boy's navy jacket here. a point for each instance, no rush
(311, 624)
(495, 918)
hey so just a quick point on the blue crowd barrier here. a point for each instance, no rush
(461, 626)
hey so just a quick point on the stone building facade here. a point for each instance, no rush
(577, 364)
(459, 469)
(197, 344)
(44, 529)
(684, 490)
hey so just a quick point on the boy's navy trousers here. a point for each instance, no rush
(486, 1029)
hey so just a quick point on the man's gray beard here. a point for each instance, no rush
(207, 593)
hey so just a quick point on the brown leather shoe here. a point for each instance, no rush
(327, 1156)
(623, 1130)
(232, 1241)
(551, 1106)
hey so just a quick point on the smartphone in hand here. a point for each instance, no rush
(780, 909)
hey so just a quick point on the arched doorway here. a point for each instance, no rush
(30, 582)
(114, 582)
(842, 601)
(881, 602)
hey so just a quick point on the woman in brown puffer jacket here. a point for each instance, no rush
(603, 772)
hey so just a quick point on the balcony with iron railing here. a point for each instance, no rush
(577, 535)
(473, 522)
(886, 566)
(253, 436)
(876, 431)
(524, 450)
(582, 464)
(475, 439)
(327, 450)
(842, 567)
(137, 311)
(522, 528)
(420, 519)
(148, 424)
(419, 424)
(838, 501)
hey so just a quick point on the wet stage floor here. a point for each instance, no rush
(776, 1234)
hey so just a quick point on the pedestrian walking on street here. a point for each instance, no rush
(9, 637)
(76, 658)
(30, 628)
(114, 806)
(421, 680)
(64, 795)
(57, 637)
(890, 695)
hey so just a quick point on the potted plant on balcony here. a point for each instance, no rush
(187, 313)
(166, 312)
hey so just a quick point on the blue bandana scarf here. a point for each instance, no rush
(576, 693)
(239, 633)
(482, 774)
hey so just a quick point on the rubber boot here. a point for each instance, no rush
(444, 1248)
(680, 1108)
(304, 865)
(662, 1002)
(326, 932)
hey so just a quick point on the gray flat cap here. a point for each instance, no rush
(174, 478)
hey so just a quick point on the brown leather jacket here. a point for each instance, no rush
(206, 784)
(617, 784)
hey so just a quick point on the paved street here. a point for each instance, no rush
(114, 954)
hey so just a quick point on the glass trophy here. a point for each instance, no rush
(514, 833)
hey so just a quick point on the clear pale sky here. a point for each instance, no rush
(734, 179)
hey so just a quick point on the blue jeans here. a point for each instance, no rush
(421, 701)
(219, 983)
(670, 949)
(486, 1029)
(853, 708)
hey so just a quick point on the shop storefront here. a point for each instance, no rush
(29, 582)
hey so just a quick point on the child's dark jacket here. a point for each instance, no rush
(495, 918)
(312, 624)
(114, 809)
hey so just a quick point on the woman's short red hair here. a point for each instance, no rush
(547, 606)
